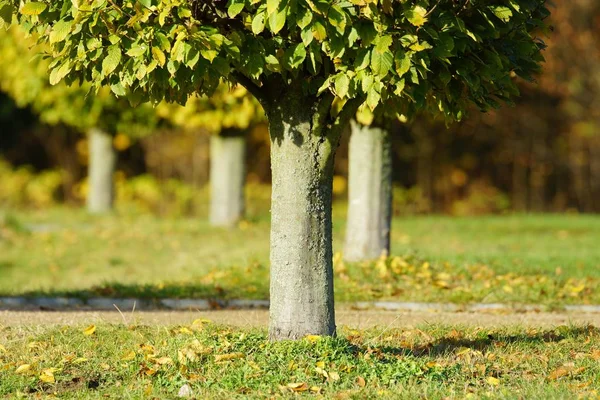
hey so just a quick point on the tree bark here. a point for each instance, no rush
(370, 193)
(101, 169)
(302, 157)
(227, 178)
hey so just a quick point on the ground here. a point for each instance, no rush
(550, 260)
(543, 259)
(208, 360)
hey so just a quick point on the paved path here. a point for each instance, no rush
(260, 318)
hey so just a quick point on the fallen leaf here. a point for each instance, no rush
(559, 373)
(360, 381)
(228, 357)
(298, 387)
(89, 330)
(163, 360)
(23, 368)
(492, 381)
(128, 356)
(316, 389)
(313, 338)
(185, 391)
(47, 375)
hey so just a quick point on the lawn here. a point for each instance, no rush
(209, 361)
(546, 259)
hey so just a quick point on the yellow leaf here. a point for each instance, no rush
(185, 331)
(23, 368)
(334, 376)
(462, 351)
(163, 360)
(313, 338)
(320, 364)
(321, 371)
(80, 360)
(492, 381)
(316, 389)
(360, 381)
(89, 330)
(228, 357)
(558, 373)
(47, 375)
(298, 387)
(128, 356)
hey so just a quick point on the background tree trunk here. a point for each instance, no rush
(227, 178)
(301, 229)
(369, 194)
(100, 172)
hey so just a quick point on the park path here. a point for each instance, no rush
(359, 319)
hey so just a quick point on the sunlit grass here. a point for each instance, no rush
(527, 259)
(434, 362)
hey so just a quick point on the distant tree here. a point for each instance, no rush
(99, 114)
(311, 64)
(227, 116)
(369, 219)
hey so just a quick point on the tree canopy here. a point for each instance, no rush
(410, 54)
(226, 109)
(24, 76)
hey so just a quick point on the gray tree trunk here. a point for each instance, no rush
(101, 169)
(370, 193)
(227, 178)
(301, 228)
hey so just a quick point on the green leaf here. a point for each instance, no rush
(373, 98)
(60, 31)
(6, 12)
(136, 50)
(503, 13)
(277, 21)
(303, 17)
(294, 56)
(416, 15)
(272, 6)
(381, 63)
(118, 89)
(342, 85)
(112, 60)
(258, 23)
(402, 61)
(33, 8)
(235, 7)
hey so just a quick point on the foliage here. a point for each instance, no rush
(24, 75)
(226, 110)
(24, 188)
(413, 55)
(212, 361)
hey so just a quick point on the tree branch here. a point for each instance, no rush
(253, 88)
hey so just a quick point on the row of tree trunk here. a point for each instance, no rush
(369, 197)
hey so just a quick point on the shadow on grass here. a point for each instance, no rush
(449, 344)
(162, 291)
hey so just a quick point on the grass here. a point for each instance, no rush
(551, 259)
(218, 362)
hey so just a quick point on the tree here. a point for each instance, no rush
(227, 115)
(311, 64)
(100, 115)
(369, 188)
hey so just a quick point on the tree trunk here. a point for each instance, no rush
(301, 230)
(227, 178)
(100, 172)
(370, 194)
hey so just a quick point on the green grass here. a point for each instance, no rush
(518, 258)
(218, 362)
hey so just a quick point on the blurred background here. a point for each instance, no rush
(541, 155)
